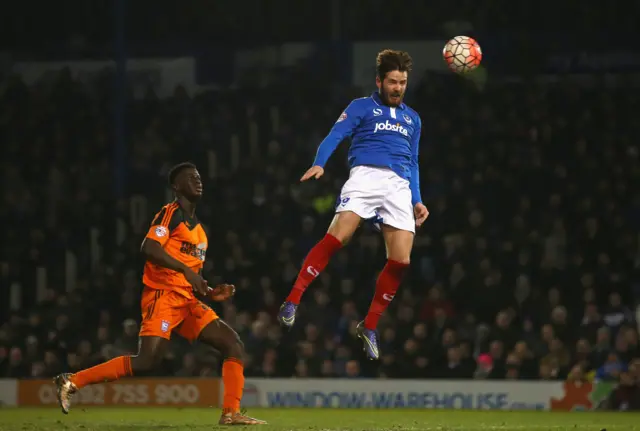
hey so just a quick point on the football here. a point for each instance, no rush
(462, 54)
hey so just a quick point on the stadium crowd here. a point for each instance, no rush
(528, 267)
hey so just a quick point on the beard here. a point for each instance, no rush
(387, 97)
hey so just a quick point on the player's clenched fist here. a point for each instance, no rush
(421, 213)
(313, 172)
(222, 292)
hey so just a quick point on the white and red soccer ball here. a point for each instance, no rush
(462, 54)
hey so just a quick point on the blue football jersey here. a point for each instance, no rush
(381, 136)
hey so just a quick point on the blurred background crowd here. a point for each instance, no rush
(528, 267)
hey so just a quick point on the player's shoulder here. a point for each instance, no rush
(362, 103)
(169, 215)
(365, 99)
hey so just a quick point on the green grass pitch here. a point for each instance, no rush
(132, 419)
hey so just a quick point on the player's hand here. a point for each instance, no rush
(313, 172)
(199, 284)
(421, 213)
(222, 292)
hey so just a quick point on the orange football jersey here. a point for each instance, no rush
(184, 239)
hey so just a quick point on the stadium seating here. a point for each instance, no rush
(527, 266)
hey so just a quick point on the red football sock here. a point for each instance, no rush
(386, 288)
(315, 262)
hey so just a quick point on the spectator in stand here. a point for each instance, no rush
(583, 355)
(435, 301)
(602, 347)
(626, 397)
(527, 364)
(616, 314)
(591, 322)
(504, 330)
(127, 343)
(455, 368)
(484, 367)
(611, 369)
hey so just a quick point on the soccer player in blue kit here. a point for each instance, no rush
(383, 187)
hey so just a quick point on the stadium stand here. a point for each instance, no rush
(527, 268)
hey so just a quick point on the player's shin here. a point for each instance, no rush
(108, 371)
(233, 380)
(315, 262)
(386, 287)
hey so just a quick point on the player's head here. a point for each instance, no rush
(392, 71)
(185, 181)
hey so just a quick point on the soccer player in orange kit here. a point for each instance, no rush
(175, 249)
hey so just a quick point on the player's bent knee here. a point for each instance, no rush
(340, 236)
(399, 256)
(235, 349)
(229, 344)
(403, 261)
(144, 363)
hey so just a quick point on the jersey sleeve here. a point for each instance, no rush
(344, 127)
(163, 224)
(414, 182)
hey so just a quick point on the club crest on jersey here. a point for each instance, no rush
(407, 119)
(391, 127)
(161, 231)
(164, 326)
(342, 117)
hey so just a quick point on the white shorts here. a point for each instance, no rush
(378, 195)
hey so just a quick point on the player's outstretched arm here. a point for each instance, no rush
(343, 128)
(419, 209)
(156, 254)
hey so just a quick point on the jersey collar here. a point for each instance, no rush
(376, 98)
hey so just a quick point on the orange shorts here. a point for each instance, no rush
(164, 311)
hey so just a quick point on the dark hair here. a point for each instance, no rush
(389, 60)
(175, 171)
